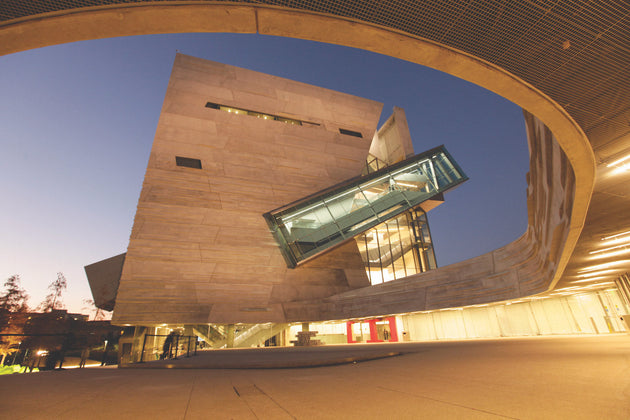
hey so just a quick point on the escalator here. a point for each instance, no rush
(308, 227)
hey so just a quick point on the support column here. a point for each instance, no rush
(349, 332)
(305, 326)
(230, 336)
(373, 332)
(393, 330)
(139, 334)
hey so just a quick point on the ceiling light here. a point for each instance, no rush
(618, 161)
(612, 254)
(605, 238)
(568, 288)
(619, 240)
(609, 249)
(597, 273)
(620, 169)
(604, 265)
(601, 284)
(590, 279)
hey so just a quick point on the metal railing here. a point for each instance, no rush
(171, 346)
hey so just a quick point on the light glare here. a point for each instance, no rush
(611, 254)
(604, 265)
(618, 161)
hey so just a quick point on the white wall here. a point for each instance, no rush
(587, 313)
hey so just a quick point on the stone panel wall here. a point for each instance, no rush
(392, 142)
(200, 250)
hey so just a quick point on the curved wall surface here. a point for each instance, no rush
(566, 64)
(522, 268)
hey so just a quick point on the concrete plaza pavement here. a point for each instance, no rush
(578, 377)
(279, 357)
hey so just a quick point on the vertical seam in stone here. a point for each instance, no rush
(256, 19)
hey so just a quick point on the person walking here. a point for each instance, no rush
(85, 353)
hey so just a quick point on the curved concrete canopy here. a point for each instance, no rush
(74, 24)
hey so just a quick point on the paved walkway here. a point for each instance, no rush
(529, 378)
(281, 357)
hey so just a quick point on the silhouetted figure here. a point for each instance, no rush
(168, 344)
(108, 340)
(84, 355)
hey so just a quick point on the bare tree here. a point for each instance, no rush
(99, 314)
(15, 297)
(12, 302)
(53, 300)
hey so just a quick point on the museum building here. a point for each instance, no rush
(260, 191)
(269, 204)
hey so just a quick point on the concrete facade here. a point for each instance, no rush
(392, 143)
(104, 278)
(200, 250)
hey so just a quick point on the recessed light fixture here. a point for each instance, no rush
(599, 251)
(618, 161)
(597, 273)
(624, 250)
(618, 237)
(589, 279)
(604, 265)
(620, 165)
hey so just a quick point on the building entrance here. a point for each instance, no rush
(378, 330)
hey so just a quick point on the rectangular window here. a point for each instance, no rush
(350, 133)
(188, 162)
(261, 115)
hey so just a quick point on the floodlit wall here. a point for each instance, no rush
(327, 333)
(392, 142)
(588, 313)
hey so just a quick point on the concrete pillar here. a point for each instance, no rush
(139, 334)
(350, 337)
(305, 326)
(230, 336)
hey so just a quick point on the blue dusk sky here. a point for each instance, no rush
(77, 123)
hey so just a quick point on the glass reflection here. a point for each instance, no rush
(332, 216)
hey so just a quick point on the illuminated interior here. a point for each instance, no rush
(397, 248)
(310, 226)
(240, 111)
